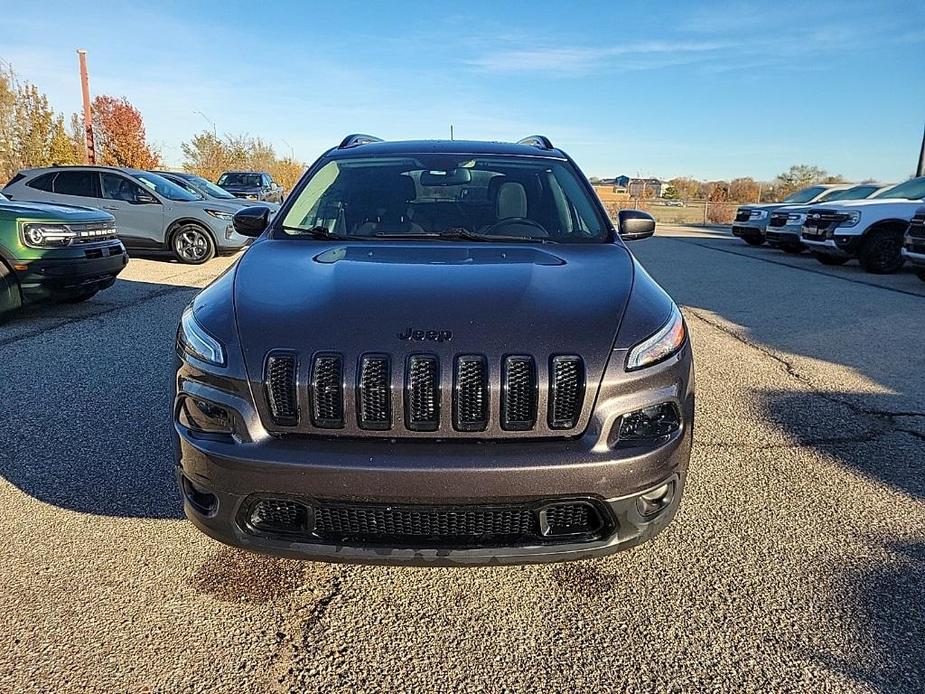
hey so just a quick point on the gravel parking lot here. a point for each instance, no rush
(797, 562)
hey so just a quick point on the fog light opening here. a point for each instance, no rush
(203, 501)
(653, 502)
(649, 424)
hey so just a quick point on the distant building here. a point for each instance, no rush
(641, 187)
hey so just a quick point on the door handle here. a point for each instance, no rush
(110, 208)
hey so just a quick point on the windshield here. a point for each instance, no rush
(168, 189)
(428, 195)
(206, 186)
(248, 180)
(804, 195)
(913, 189)
(854, 193)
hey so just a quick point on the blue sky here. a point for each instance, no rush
(707, 90)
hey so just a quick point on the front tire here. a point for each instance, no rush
(881, 252)
(830, 259)
(753, 239)
(192, 245)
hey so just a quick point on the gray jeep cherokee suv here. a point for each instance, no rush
(435, 353)
(152, 213)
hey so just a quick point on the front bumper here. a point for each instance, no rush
(841, 246)
(69, 271)
(751, 228)
(435, 474)
(777, 236)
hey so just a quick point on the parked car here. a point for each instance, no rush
(252, 185)
(408, 366)
(870, 230)
(152, 214)
(914, 246)
(207, 189)
(751, 221)
(57, 252)
(786, 223)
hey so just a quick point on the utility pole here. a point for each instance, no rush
(89, 148)
(920, 171)
(451, 131)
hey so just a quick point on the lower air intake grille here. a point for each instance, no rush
(327, 391)
(518, 393)
(280, 384)
(279, 516)
(374, 393)
(471, 394)
(329, 522)
(422, 393)
(566, 391)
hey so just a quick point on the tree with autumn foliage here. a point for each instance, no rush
(209, 156)
(119, 134)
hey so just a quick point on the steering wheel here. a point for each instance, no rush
(526, 221)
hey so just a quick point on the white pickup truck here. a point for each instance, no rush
(914, 248)
(870, 230)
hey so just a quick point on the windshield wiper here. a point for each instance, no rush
(317, 232)
(458, 234)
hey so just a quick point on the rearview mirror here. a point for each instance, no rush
(251, 221)
(635, 224)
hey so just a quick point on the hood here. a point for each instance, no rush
(868, 203)
(51, 212)
(496, 299)
(768, 207)
(229, 206)
(239, 203)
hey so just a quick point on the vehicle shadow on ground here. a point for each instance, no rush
(88, 425)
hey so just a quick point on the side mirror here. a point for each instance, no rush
(635, 224)
(251, 221)
(143, 197)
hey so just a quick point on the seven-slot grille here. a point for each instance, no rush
(566, 390)
(422, 406)
(470, 402)
(778, 219)
(821, 223)
(280, 384)
(374, 393)
(326, 391)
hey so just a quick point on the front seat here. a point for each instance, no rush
(512, 200)
(391, 216)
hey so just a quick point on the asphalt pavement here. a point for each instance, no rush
(797, 562)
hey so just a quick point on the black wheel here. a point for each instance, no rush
(193, 245)
(881, 251)
(79, 298)
(794, 248)
(830, 259)
(753, 239)
(920, 274)
(10, 298)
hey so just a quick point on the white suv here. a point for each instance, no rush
(870, 230)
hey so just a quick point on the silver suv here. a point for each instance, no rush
(152, 213)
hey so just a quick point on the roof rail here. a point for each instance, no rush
(540, 141)
(357, 139)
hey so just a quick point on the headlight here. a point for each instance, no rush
(759, 214)
(220, 214)
(795, 218)
(851, 220)
(195, 341)
(47, 235)
(668, 340)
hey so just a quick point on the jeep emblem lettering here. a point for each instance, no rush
(426, 335)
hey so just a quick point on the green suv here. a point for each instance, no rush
(57, 252)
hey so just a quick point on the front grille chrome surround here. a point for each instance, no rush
(326, 391)
(422, 392)
(519, 393)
